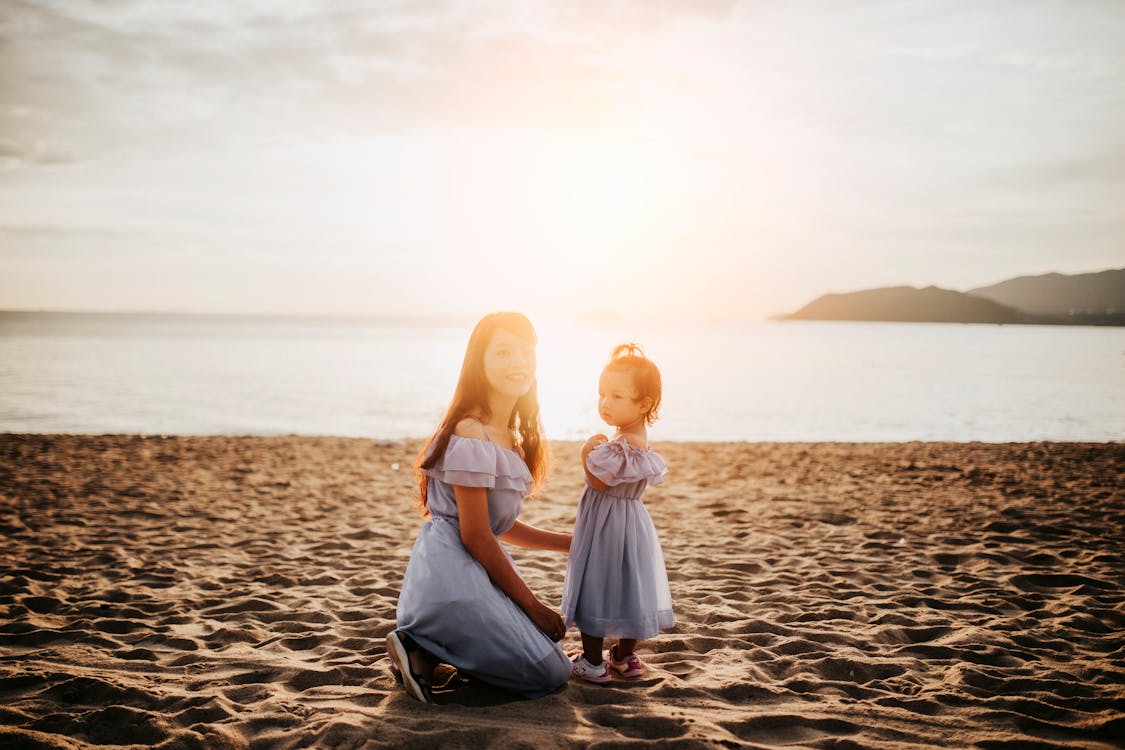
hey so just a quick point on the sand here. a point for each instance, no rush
(235, 592)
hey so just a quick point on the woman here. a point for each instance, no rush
(463, 602)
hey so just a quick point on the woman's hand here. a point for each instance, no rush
(472, 507)
(547, 620)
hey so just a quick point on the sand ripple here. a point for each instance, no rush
(235, 592)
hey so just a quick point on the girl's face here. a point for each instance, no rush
(509, 364)
(618, 401)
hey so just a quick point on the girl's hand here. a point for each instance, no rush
(593, 442)
(547, 620)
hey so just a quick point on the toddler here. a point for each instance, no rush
(616, 585)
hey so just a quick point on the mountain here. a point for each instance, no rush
(1052, 299)
(1093, 294)
(906, 303)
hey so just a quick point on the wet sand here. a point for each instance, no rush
(234, 592)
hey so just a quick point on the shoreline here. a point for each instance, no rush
(219, 591)
(411, 440)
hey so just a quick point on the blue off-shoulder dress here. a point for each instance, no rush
(616, 584)
(449, 605)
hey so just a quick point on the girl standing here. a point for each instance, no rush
(616, 585)
(463, 601)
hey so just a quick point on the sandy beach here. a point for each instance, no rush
(232, 592)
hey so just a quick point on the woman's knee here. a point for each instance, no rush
(559, 671)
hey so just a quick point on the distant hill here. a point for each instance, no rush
(1052, 299)
(906, 303)
(1101, 293)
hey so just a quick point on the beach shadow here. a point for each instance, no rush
(453, 688)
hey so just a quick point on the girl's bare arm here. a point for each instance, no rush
(592, 443)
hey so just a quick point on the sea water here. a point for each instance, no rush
(793, 381)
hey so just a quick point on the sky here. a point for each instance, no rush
(662, 159)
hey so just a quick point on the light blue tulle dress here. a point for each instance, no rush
(449, 605)
(616, 585)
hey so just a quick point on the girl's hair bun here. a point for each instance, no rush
(627, 350)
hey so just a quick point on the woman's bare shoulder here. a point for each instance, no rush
(469, 427)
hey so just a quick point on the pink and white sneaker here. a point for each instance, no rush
(590, 673)
(630, 666)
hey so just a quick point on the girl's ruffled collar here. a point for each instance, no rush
(627, 446)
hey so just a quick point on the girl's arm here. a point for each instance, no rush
(477, 536)
(533, 538)
(592, 443)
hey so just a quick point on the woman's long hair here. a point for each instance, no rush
(471, 399)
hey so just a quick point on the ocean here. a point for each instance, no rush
(772, 381)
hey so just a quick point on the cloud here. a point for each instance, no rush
(1106, 168)
(52, 244)
(26, 153)
(107, 76)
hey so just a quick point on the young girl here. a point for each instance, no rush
(463, 601)
(616, 585)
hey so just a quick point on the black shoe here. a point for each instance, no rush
(399, 647)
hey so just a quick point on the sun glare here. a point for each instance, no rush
(586, 196)
(576, 223)
(570, 358)
(608, 196)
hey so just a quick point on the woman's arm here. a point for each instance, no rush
(477, 536)
(533, 538)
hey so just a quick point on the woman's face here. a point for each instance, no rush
(509, 364)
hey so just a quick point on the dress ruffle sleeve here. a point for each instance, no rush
(469, 462)
(620, 462)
